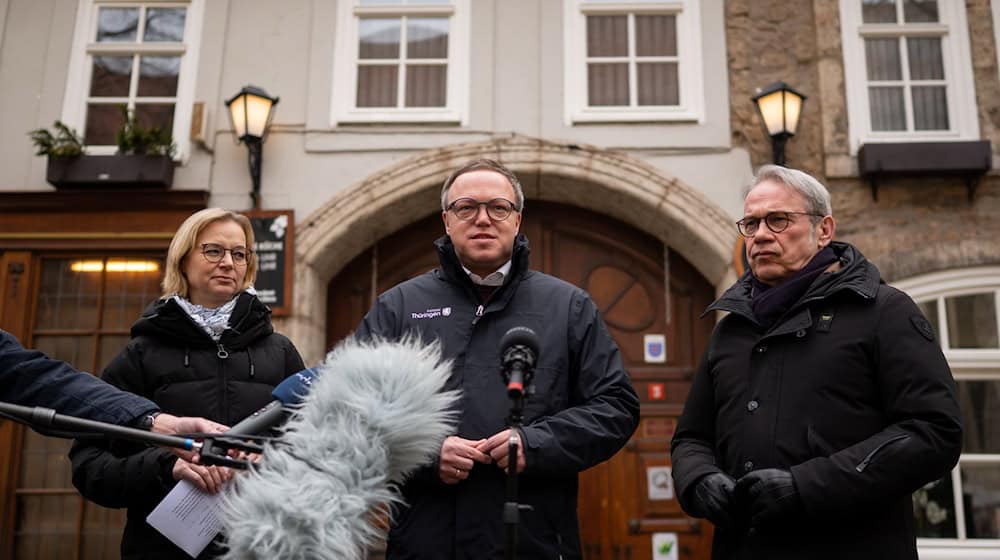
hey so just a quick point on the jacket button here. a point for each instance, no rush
(762, 348)
(748, 466)
(752, 405)
(800, 333)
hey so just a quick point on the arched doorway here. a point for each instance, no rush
(643, 288)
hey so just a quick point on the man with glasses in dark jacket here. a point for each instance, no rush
(822, 401)
(583, 409)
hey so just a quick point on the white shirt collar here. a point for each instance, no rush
(494, 279)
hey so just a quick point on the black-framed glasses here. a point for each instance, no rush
(777, 222)
(214, 253)
(497, 209)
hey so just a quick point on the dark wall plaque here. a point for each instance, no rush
(274, 248)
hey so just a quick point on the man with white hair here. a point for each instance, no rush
(822, 401)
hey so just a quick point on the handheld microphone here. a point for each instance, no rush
(375, 413)
(288, 393)
(518, 353)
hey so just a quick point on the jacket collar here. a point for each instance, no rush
(452, 271)
(165, 319)
(856, 275)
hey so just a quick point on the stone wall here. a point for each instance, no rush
(917, 225)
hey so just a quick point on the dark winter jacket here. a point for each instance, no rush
(583, 409)
(849, 391)
(175, 363)
(30, 378)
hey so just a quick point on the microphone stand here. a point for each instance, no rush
(42, 418)
(511, 508)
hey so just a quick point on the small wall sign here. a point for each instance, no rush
(654, 348)
(659, 485)
(664, 546)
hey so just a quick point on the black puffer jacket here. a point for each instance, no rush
(849, 391)
(174, 363)
(584, 408)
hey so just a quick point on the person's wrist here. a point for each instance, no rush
(146, 421)
(163, 423)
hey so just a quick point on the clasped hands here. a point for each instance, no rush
(459, 455)
(758, 499)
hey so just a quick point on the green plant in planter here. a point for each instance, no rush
(64, 143)
(133, 138)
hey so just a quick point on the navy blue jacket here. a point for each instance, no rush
(583, 410)
(30, 378)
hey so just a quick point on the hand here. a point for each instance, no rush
(498, 448)
(769, 495)
(208, 479)
(713, 498)
(169, 424)
(458, 456)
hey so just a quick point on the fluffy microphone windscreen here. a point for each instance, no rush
(375, 413)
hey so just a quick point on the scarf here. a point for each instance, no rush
(213, 321)
(771, 302)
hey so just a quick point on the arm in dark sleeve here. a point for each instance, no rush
(293, 361)
(30, 378)
(604, 409)
(923, 438)
(119, 474)
(692, 449)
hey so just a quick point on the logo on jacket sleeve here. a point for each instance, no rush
(431, 313)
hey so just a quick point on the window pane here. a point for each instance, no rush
(426, 86)
(127, 292)
(151, 115)
(878, 11)
(377, 86)
(377, 2)
(46, 526)
(115, 25)
(930, 108)
(882, 59)
(111, 76)
(925, 58)
(934, 510)
(972, 321)
(607, 84)
(981, 494)
(102, 532)
(658, 83)
(887, 108)
(66, 299)
(158, 76)
(920, 10)
(656, 35)
(607, 35)
(164, 24)
(103, 121)
(427, 38)
(379, 37)
(77, 350)
(929, 309)
(980, 405)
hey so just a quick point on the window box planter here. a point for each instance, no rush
(125, 171)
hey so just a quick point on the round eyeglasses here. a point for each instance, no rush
(497, 209)
(777, 222)
(215, 253)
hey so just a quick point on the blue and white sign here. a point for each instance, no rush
(655, 348)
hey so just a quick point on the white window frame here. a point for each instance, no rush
(691, 102)
(81, 60)
(957, 59)
(345, 66)
(966, 364)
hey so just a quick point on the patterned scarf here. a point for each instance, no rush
(213, 321)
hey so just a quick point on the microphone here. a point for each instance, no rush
(518, 353)
(375, 413)
(288, 393)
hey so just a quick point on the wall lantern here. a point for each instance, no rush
(251, 111)
(779, 106)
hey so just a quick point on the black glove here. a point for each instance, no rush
(769, 495)
(713, 498)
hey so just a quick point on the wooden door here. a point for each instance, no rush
(629, 275)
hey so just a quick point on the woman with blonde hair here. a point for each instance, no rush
(205, 348)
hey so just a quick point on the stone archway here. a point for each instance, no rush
(620, 186)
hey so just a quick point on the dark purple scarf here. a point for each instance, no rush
(770, 302)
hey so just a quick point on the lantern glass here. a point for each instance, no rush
(251, 114)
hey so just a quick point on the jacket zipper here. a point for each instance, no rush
(479, 313)
(868, 458)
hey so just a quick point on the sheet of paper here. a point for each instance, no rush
(188, 517)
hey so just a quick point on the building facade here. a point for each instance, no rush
(631, 126)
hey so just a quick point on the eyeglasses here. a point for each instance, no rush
(467, 209)
(215, 253)
(777, 222)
